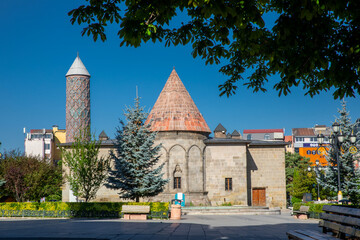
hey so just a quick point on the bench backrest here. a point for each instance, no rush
(342, 219)
(304, 208)
(135, 209)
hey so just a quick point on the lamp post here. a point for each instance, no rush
(318, 169)
(336, 139)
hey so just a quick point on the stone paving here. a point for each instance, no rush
(190, 227)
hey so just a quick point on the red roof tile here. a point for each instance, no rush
(175, 110)
(303, 132)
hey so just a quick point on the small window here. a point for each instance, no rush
(248, 137)
(47, 146)
(177, 182)
(228, 184)
(314, 152)
(267, 136)
(308, 152)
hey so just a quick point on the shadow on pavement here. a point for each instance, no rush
(72, 229)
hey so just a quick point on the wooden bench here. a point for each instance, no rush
(341, 222)
(135, 212)
(303, 212)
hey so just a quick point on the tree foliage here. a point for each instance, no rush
(312, 43)
(303, 182)
(136, 172)
(349, 174)
(28, 177)
(294, 162)
(86, 170)
(298, 179)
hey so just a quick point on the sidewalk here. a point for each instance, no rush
(190, 227)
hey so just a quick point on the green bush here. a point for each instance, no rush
(82, 209)
(226, 204)
(295, 200)
(314, 207)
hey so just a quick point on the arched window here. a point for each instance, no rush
(177, 177)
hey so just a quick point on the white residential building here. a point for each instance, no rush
(39, 142)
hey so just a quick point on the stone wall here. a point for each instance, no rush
(203, 169)
(182, 153)
(266, 169)
(226, 161)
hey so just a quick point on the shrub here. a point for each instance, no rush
(77, 206)
(314, 207)
(295, 200)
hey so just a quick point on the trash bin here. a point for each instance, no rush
(175, 213)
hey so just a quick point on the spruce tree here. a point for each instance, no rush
(135, 173)
(349, 175)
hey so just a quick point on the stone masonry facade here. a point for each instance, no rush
(209, 171)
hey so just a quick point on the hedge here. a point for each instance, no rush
(77, 209)
(314, 207)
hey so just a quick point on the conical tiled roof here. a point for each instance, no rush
(174, 109)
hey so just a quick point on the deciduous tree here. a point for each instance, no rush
(313, 44)
(28, 177)
(87, 171)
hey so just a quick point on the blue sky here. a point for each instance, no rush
(38, 46)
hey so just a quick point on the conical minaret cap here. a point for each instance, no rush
(175, 110)
(78, 68)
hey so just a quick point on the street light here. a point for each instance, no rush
(336, 139)
(318, 169)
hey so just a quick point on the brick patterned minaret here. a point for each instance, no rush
(175, 110)
(77, 100)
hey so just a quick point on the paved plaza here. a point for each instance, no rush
(190, 227)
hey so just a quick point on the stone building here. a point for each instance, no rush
(209, 171)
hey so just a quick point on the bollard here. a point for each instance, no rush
(175, 212)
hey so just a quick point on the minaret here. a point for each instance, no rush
(77, 100)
